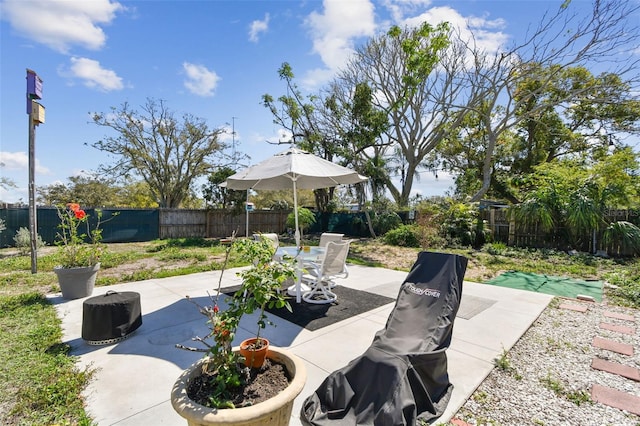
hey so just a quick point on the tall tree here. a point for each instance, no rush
(167, 153)
(548, 132)
(297, 114)
(561, 41)
(415, 74)
(216, 196)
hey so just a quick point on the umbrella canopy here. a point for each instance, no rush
(295, 169)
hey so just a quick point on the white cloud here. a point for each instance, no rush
(258, 27)
(19, 161)
(200, 81)
(61, 24)
(485, 32)
(93, 75)
(335, 30)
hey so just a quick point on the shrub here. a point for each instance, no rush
(385, 222)
(462, 225)
(403, 236)
(306, 218)
(496, 248)
(622, 237)
(23, 241)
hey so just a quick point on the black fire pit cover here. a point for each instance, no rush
(111, 317)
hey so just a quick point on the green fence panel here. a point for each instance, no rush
(118, 225)
(353, 224)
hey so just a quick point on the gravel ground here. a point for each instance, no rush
(546, 378)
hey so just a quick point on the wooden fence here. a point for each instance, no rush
(506, 230)
(183, 223)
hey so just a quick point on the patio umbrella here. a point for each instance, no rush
(295, 169)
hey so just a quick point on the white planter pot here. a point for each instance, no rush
(272, 412)
(76, 283)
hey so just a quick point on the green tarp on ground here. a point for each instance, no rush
(548, 284)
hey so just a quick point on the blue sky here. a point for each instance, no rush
(210, 58)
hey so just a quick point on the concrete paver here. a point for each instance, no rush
(612, 345)
(615, 398)
(133, 378)
(616, 368)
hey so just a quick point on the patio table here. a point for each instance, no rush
(314, 254)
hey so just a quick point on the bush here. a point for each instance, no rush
(462, 225)
(23, 241)
(306, 218)
(403, 236)
(384, 222)
(622, 238)
(496, 248)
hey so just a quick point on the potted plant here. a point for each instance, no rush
(79, 251)
(211, 391)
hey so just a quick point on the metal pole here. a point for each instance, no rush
(246, 211)
(33, 226)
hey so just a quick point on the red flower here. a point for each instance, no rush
(216, 309)
(80, 214)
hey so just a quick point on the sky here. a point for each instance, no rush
(213, 59)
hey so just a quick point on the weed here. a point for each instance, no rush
(480, 397)
(579, 396)
(553, 384)
(502, 362)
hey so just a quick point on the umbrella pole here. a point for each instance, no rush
(246, 208)
(297, 236)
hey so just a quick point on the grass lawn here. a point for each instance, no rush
(41, 384)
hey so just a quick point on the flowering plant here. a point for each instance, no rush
(79, 245)
(223, 371)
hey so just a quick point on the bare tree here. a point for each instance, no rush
(166, 153)
(417, 77)
(561, 41)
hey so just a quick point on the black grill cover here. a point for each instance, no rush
(111, 316)
(402, 377)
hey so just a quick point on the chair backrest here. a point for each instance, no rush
(335, 257)
(270, 237)
(325, 237)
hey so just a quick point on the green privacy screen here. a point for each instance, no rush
(128, 225)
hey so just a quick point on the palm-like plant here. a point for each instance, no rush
(622, 238)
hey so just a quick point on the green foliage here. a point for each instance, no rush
(306, 218)
(260, 289)
(385, 221)
(622, 237)
(578, 397)
(502, 362)
(403, 236)
(495, 248)
(23, 241)
(626, 284)
(462, 225)
(170, 154)
(218, 197)
(74, 251)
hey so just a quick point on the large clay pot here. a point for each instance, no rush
(76, 283)
(272, 412)
(254, 358)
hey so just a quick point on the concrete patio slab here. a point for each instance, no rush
(133, 378)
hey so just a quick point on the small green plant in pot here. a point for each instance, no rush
(225, 369)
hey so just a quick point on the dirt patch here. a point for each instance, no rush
(403, 258)
(262, 384)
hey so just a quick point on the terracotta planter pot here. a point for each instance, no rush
(76, 283)
(272, 412)
(254, 358)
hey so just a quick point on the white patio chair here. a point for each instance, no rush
(319, 277)
(273, 237)
(325, 237)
